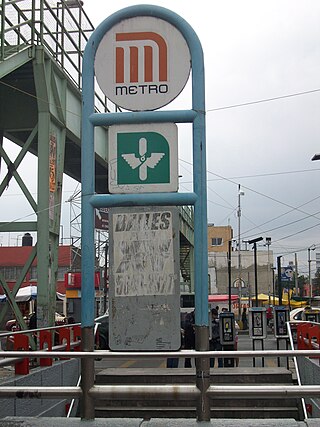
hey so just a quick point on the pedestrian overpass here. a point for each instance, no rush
(40, 110)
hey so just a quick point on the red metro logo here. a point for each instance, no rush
(148, 51)
(142, 70)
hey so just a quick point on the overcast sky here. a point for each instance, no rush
(254, 51)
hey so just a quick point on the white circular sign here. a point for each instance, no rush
(142, 63)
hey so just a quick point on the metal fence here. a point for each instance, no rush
(62, 27)
(202, 391)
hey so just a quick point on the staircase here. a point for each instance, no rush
(185, 262)
(186, 216)
(226, 408)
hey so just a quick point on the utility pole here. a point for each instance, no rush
(296, 284)
(240, 193)
(229, 272)
(254, 242)
(311, 248)
(268, 243)
(279, 279)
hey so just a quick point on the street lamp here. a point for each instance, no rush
(254, 242)
(311, 248)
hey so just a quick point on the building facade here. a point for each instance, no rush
(13, 260)
(219, 276)
(218, 246)
(219, 238)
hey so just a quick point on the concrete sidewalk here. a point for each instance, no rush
(134, 422)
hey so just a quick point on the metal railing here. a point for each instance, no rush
(35, 335)
(62, 27)
(187, 213)
(155, 392)
(200, 391)
(296, 367)
(63, 30)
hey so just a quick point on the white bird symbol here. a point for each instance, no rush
(142, 162)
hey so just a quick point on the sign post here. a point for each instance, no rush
(141, 57)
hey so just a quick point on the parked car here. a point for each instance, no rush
(296, 317)
(102, 334)
(13, 325)
(296, 314)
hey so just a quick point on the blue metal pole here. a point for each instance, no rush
(177, 116)
(88, 190)
(146, 199)
(199, 197)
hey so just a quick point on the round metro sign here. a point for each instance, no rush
(142, 63)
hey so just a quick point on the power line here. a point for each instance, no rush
(257, 192)
(285, 213)
(243, 104)
(262, 175)
(260, 101)
(292, 208)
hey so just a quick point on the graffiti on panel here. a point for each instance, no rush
(144, 260)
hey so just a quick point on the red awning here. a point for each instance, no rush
(222, 298)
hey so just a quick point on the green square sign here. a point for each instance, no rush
(143, 158)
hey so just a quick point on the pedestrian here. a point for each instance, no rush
(214, 343)
(189, 337)
(237, 327)
(33, 320)
(244, 319)
(172, 362)
(71, 320)
(269, 315)
(33, 323)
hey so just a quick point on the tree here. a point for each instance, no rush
(302, 280)
(316, 283)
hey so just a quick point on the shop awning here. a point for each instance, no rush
(26, 294)
(222, 298)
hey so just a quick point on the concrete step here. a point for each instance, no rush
(187, 376)
(252, 413)
(234, 412)
(254, 404)
(227, 408)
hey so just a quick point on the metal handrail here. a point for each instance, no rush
(296, 366)
(11, 361)
(32, 331)
(163, 391)
(161, 354)
(49, 29)
(151, 392)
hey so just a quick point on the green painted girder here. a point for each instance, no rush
(18, 226)
(15, 61)
(18, 110)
